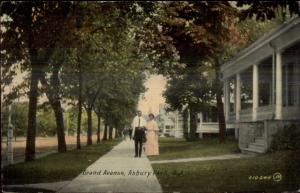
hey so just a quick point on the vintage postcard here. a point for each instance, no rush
(150, 96)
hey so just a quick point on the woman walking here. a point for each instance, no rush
(151, 146)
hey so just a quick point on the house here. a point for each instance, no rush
(166, 121)
(262, 87)
(207, 123)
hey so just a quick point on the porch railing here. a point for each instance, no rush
(211, 127)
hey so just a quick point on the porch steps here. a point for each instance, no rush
(251, 151)
(256, 147)
(259, 140)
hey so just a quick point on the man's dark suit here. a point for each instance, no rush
(130, 133)
(139, 134)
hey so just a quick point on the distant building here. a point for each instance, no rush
(207, 123)
(178, 126)
(166, 121)
(172, 123)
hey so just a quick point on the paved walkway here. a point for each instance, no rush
(117, 171)
(209, 158)
(43, 187)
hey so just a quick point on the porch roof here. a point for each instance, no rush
(263, 47)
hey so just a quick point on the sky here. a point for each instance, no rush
(153, 96)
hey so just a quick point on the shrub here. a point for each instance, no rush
(287, 138)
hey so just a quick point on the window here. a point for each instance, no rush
(289, 84)
(291, 75)
(246, 88)
(232, 94)
(265, 83)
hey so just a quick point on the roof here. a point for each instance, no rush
(265, 39)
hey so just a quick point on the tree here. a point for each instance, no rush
(193, 31)
(19, 118)
(192, 93)
(267, 10)
(118, 107)
(196, 34)
(39, 28)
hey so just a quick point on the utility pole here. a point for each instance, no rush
(10, 156)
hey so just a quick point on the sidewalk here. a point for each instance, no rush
(117, 171)
(39, 187)
(208, 158)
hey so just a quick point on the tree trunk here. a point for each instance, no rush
(62, 147)
(59, 126)
(117, 132)
(105, 132)
(1, 106)
(89, 126)
(221, 117)
(185, 124)
(220, 107)
(98, 128)
(79, 106)
(110, 132)
(193, 124)
(53, 95)
(31, 127)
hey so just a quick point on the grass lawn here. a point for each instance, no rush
(171, 148)
(57, 166)
(247, 174)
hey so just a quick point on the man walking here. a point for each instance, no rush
(130, 133)
(138, 125)
(124, 134)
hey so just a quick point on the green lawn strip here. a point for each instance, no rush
(232, 175)
(171, 148)
(57, 166)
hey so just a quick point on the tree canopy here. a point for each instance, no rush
(95, 54)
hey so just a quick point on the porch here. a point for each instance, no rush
(208, 124)
(262, 86)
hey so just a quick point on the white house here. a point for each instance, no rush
(262, 86)
(166, 121)
(207, 123)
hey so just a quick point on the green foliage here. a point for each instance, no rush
(114, 43)
(56, 167)
(112, 72)
(180, 34)
(46, 122)
(232, 175)
(171, 148)
(266, 10)
(191, 88)
(19, 111)
(287, 138)
(19, 118)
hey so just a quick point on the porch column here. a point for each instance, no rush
(188, 122)
(297, 80)
(226, 99)
(200, 125)
(238, 97)
(176, 127)
(278, 104)
(201, 117)
(255, 92)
